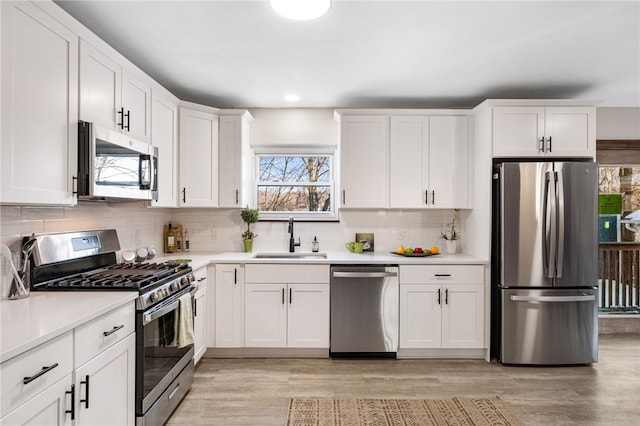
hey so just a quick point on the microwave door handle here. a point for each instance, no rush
(144, 158)
(154, 173)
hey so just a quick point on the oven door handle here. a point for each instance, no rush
(152, 316)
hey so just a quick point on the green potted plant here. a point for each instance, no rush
(249, 216)
(450, 235)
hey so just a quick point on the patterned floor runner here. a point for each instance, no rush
(399, 412)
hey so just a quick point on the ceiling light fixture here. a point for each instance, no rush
(292, 98)
(301, 10)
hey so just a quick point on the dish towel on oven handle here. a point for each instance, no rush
(184, 322)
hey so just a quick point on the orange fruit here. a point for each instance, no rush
(434, 250)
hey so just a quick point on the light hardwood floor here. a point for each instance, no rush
(256, 391)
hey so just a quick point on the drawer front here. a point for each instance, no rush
(286, 273)
(200, 274)
(103, 332)
(441, 274)
(40, 361)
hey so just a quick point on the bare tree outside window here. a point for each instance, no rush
(288, 183)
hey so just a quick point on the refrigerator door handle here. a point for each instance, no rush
(549, 224)
(560, 225)
(582, 298)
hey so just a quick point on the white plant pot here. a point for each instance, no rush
(452, 246)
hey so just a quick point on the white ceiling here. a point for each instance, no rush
(368, 54)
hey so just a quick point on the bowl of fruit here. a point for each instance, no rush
(416, 251)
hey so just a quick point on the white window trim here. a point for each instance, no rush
(289, 151)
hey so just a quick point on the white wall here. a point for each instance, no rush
(617, 123)
(294, 127)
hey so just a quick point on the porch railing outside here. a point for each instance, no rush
(619, 270)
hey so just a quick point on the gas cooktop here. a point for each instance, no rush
(121, 276)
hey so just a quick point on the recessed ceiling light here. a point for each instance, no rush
(301, 10)
(292, 98)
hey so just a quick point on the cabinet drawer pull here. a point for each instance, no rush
(541, 144)
(27, 380)
(433, 197)
(549, 146)
(283, 296)
(442, 275)
(72, 392)
(237, 196)
(235, 276)
(86, 398)
(128, 115)
(438, 296)
(446, 296)
(113, 330)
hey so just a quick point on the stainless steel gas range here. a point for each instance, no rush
(86, 261)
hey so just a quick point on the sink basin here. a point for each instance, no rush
(290, 256)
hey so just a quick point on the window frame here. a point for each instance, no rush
(311, 151)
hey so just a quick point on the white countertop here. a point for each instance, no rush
(44, 315)
(199, 259)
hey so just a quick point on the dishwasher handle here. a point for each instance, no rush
(385, 274)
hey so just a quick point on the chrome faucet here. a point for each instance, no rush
(292, 241)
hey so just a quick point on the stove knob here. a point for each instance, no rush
(185, 281)
(175, 286)
(154, 297)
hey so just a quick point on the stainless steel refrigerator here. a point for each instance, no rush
(545, 262)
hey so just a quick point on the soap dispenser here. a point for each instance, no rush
(315, 246)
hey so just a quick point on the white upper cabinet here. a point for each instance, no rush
(198, 158)
(428, 161)
(164, 136)
(234, 160)
(113, 97)
(364, 145)
(39, 107)
(553, 131)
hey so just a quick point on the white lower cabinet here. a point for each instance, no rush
(287, 306)
(110, 377)
(82, 377)
(441, 306)
(199, 314)
(229, 306)
(51, 407)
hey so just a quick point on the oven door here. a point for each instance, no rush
(158, 360)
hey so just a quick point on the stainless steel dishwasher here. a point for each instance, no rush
(364, 311)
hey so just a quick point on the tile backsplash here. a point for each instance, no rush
(218, 230)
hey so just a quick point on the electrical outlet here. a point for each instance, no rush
(214, 233)
(403, 234)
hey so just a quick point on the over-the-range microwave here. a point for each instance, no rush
(113, 166)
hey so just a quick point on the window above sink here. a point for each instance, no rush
(295, 182)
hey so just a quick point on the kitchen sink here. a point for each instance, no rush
(290, 256)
